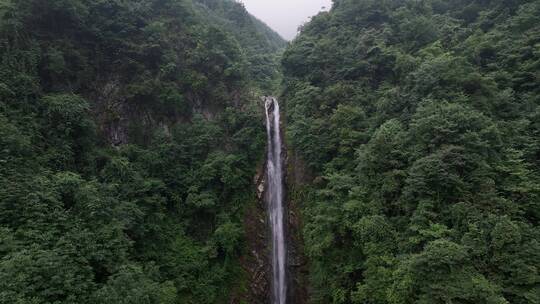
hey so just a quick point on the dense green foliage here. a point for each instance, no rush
(261, 45)
(420, 123)
(129, 138)
(155, 218)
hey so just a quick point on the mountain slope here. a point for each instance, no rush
(261, 45)
(418, 122)
(129, 137)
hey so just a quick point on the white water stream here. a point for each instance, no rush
(275, 202)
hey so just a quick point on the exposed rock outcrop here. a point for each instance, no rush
(255, 261)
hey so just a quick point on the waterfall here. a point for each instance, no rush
(275, 202)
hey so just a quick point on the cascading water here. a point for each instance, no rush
(275, 202)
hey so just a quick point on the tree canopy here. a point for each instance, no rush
(128, 142)
(418, 121)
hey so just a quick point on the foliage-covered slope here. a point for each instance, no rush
(155, 218)
(261, 45)
(420, 122)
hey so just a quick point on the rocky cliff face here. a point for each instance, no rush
(256, 261)
(123, 122)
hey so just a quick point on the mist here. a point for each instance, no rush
(285, 16)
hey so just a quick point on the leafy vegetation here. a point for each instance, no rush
(419, 123)
(156, 216)
(129, 137)
(261, 45)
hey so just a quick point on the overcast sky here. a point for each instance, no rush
(284, 16)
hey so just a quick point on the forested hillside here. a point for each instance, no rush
(419, 122)
(131, 132)
(261, 45)
(129, 137)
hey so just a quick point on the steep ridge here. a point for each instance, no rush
(129, 136)
(413, 133)
(261, 45)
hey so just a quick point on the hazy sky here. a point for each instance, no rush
(284, 16)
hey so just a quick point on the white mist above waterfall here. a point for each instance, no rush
(275, 202)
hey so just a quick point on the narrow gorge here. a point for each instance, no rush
(395, 157)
